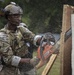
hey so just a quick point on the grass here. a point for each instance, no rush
(55, 70)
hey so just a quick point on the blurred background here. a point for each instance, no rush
(40, 15)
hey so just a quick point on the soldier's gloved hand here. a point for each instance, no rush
(34, 61)
(56, 51)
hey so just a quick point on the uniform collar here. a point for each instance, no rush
(9, 31)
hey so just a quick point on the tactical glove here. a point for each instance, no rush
(34, 61)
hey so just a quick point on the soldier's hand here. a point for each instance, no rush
(34, 61)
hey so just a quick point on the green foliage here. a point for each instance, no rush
(40, 15)
(2, 22)
(43, 16)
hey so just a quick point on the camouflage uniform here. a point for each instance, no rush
(14, 44)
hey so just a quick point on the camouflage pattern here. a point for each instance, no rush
(10, 71)
(13, 43)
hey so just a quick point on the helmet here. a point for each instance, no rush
(12, 8)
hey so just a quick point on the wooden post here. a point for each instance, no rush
(66, 47)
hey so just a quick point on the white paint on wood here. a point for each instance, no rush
(72, 59)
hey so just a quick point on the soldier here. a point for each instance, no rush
(14, 38)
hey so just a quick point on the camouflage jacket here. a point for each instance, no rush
(14, 43)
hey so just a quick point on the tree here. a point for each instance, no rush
(40, 15)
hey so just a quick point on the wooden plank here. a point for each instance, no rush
(49, 64)
(65, 47)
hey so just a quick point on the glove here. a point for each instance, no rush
(34, 61)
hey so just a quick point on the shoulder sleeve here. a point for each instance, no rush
(23, 24)
(27, 34)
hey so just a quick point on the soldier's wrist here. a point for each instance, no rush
(25, 60)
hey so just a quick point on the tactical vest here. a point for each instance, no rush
(17, 43)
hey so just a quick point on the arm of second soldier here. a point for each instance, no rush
(7, 54)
